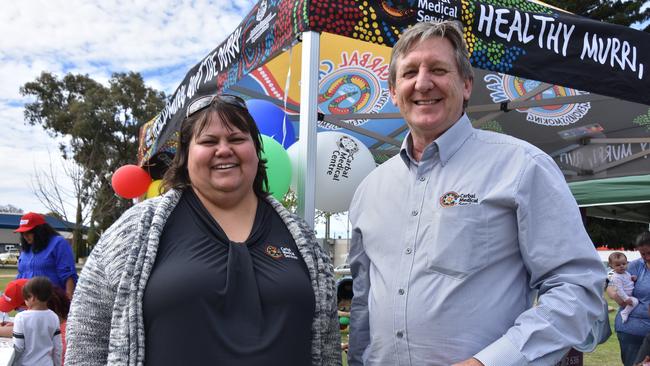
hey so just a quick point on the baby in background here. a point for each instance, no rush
(624, 283)
(36, 333)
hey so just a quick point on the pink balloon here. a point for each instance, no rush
(130, 181)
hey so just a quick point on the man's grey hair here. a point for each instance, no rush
(451, 30)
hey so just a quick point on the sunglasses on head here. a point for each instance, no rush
(205, 101)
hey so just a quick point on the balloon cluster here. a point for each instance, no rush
(342, 161)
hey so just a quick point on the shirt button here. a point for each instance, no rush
(408, 250)
(414, 212)
(400, 291)
(422, 179)
(400, 334)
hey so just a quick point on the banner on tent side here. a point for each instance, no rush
(514, 37)
(270, 27)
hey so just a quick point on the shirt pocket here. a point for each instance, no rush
(459, 244)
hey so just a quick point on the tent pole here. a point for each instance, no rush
(306, 174)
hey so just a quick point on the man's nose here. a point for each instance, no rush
(423, 80)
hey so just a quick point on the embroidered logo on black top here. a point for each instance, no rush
(452, 198)
(288, 253)
(273, 252)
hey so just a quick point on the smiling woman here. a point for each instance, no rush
(215, 257)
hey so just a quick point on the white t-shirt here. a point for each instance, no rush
(37, 338)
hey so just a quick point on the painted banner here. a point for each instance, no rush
(513, 44)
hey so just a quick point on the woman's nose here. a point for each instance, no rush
(223, 149)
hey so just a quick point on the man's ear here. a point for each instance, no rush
(393, 96)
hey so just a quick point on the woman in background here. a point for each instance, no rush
(213, 272)
(45, 253)
(631, 333)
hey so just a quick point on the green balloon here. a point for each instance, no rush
(344, 320)
(278, 167)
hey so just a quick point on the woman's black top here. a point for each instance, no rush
(210, 301)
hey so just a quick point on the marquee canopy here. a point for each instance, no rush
(574, 87)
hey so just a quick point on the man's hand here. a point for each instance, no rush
(629, 302)
(633, 278)
(469, 362)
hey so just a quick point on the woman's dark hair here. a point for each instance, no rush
(59, 302)
(231, 115)
(643, 239)
(42, 235)
(40, 287)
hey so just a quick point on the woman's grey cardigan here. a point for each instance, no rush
(106, 326)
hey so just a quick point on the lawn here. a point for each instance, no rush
(608, 353)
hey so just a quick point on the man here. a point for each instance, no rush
(454, 236)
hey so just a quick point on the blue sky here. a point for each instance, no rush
(159, 39)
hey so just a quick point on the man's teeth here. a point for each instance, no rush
(425, 102)
(224, 166)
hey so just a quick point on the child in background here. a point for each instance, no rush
(623, 281)
(36, 333)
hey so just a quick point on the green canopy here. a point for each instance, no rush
(623, 198)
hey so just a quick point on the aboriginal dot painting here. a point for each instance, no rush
(383, 21)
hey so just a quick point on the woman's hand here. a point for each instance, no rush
(611, 292)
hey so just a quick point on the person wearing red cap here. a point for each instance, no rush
(12, 297)
(45, 253)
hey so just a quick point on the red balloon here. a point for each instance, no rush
(130, 181)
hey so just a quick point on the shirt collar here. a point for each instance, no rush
(446, 144)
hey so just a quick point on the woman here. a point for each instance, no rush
(213, 272)
(45, 253)
(631, 333)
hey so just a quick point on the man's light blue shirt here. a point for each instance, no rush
(448, 253)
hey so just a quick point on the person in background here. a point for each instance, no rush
(45, 253)
(12, 299)
(623, 281)
(36, 333)
(453, 238)
(213, 272)
(631, 334)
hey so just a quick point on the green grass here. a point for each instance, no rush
(608, 353)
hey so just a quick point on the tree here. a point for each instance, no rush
(10, 209)
(101, 125)
(614, 233)
(623, 12)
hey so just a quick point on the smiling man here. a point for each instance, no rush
(455, 236)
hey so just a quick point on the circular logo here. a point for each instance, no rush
(449, 199)
(350, 90)
(514, 87)
(273, 252)
(347, 144)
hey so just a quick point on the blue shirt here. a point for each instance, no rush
(638, 323)
(55, 262)
(448, 253)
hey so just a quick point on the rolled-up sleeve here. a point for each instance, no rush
(65, 266)
(563, 266)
